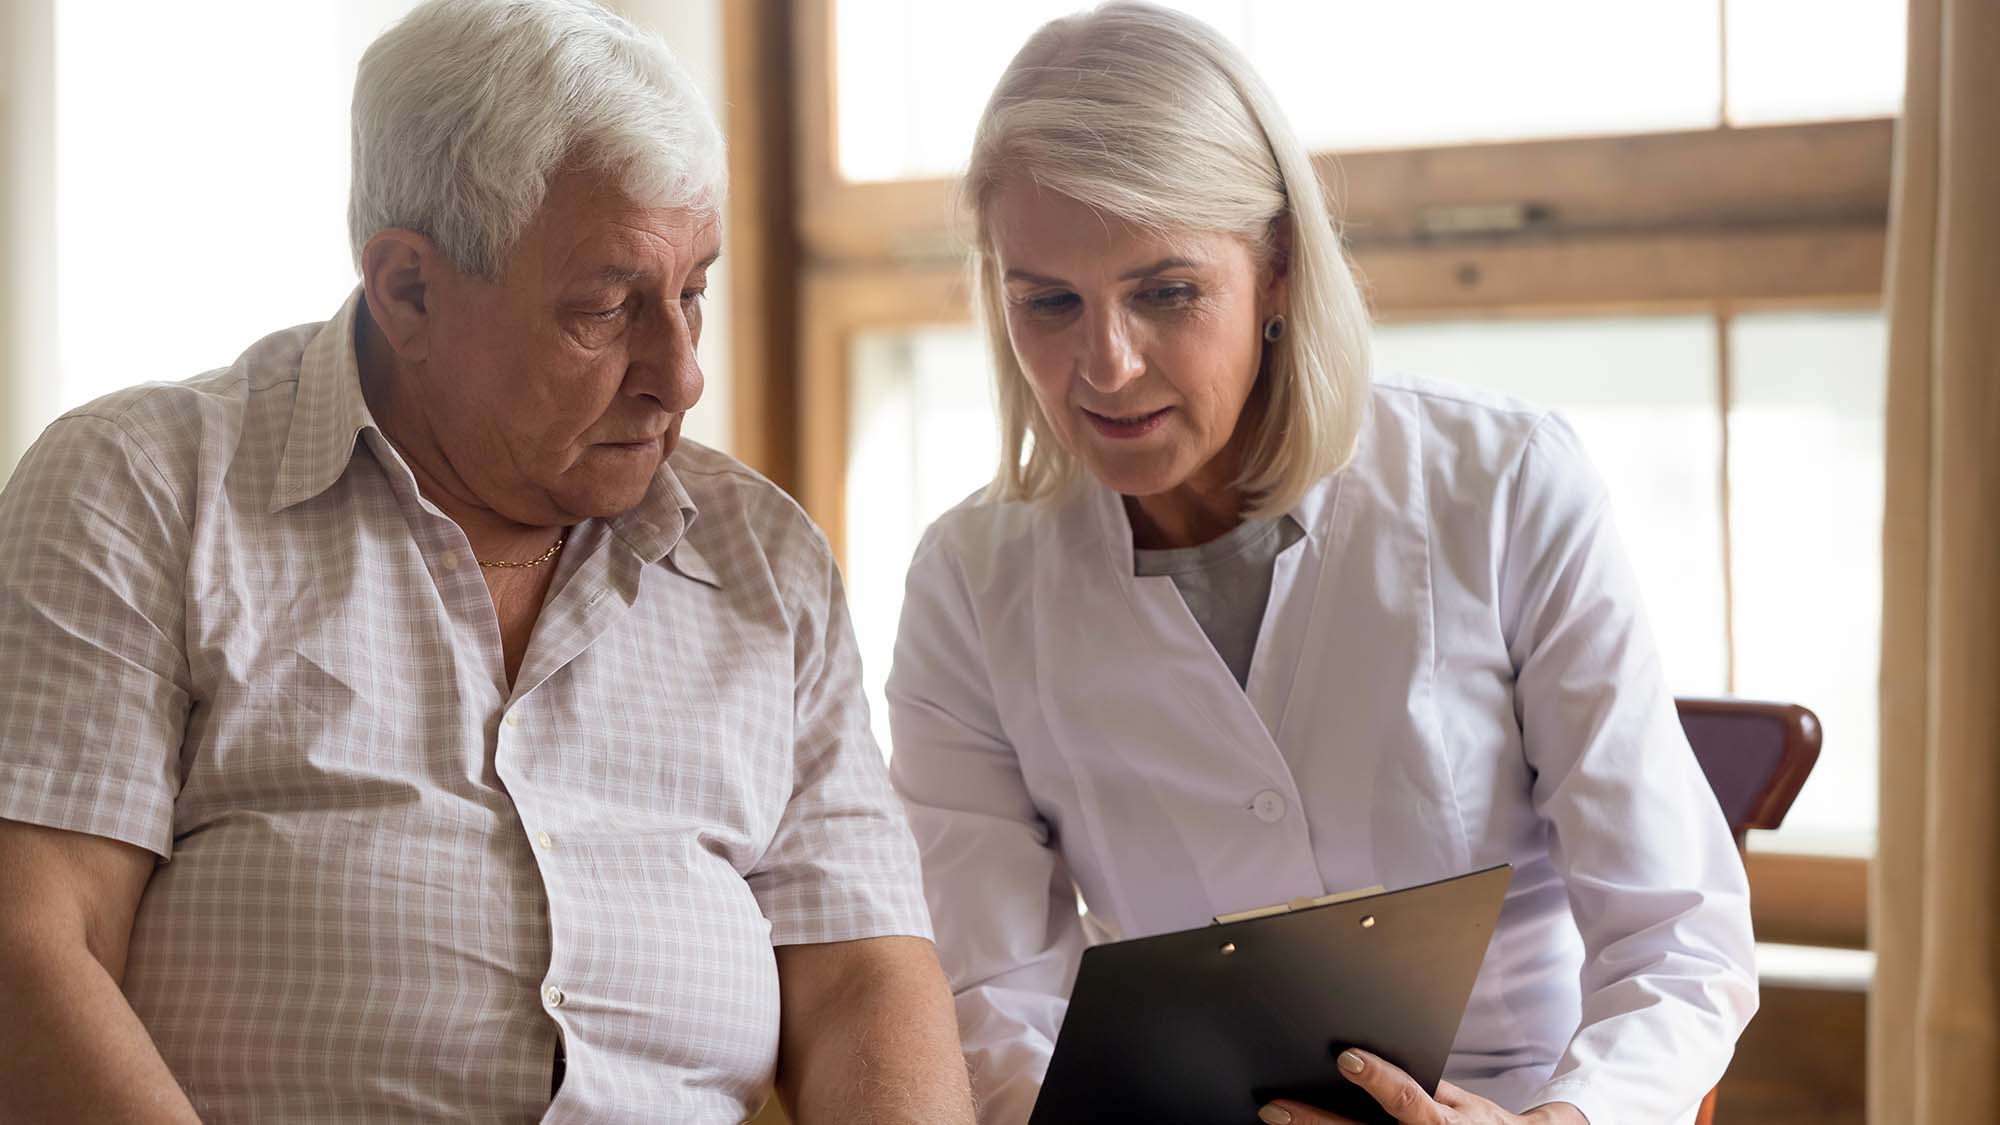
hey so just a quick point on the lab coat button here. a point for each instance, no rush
(1269, 806)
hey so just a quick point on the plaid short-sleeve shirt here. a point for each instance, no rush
(232, 632)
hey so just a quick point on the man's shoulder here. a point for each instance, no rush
(169, 421)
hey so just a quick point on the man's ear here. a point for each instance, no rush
(401, 271)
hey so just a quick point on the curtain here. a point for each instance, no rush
(1934, 1023)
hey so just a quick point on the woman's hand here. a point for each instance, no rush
(1407, 1103)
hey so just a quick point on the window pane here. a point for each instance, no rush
(1805, 60)
(1805, 486)
(1642, 395)
(912, 75)
(1362, 74)
(923, 437)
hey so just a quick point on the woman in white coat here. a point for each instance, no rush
(1237, 624)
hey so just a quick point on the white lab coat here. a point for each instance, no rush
(1453, 671)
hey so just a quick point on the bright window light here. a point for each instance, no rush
(1805, 517)
(201, 180)
(1811, 60)
(912, 75)
(924, 435)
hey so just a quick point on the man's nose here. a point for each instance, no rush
(663, 364)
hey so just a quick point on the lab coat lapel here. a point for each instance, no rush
(1378, 778)
(1163, 744)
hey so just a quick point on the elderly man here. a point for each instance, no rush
(401, 724)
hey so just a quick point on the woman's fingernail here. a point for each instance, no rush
(1350, 1062)
(1276, 1115)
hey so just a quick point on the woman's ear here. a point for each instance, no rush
(1275, 278)
(399, 272)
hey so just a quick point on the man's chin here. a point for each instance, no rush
(601, 492)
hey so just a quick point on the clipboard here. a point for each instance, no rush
(1206, 1025)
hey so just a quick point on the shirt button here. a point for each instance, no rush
(553, 996)
(1269, 806)
(513, 719)
(451, 560)
(545, 840)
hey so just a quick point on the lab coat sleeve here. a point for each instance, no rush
(1652, 873)
(1001, 899)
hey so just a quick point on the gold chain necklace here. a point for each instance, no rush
(531, 563)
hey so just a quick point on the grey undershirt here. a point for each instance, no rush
(1226, 583)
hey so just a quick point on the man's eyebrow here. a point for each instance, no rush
(626, 275)
(616, 275)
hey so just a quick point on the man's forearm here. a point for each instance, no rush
(879, 1044)
(72, 1049)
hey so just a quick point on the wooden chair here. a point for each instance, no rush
(1757, 756)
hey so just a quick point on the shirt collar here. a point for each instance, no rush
(662, 525)
(1311, 513)
(330, 413)
(1313, 507)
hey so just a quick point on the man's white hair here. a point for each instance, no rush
(1151, 116)
(465, 110)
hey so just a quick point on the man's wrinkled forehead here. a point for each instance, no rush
(591, 232)
(622, 250)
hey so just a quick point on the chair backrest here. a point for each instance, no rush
(1756, 754)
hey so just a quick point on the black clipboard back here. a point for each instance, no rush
(1206, 1025)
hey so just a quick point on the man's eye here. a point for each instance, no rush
(693, 296)
(611, 313)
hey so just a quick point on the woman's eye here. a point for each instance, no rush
(1169, 294)
(1051, 302)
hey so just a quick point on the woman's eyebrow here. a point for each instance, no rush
(1148, 270)
(1159, 267)
(1032, 278)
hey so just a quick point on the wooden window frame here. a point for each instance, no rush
(1720, 222)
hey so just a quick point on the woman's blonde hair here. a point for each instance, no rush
(1149, 115)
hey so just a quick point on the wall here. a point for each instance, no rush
(27, 216)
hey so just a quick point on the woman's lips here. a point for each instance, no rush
(1128, 426)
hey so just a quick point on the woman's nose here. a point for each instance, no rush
(1112, 359)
